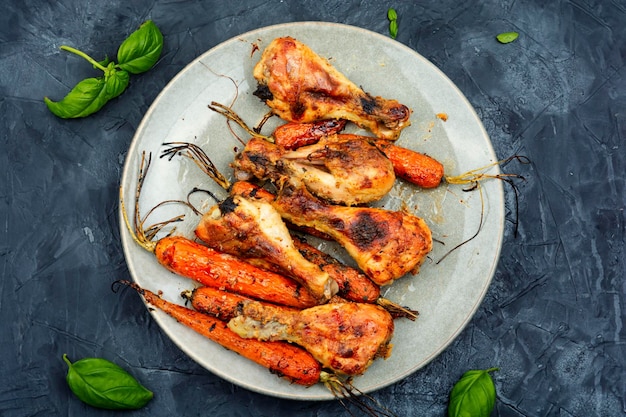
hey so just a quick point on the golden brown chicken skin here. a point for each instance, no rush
(345, 337)
(300, 86)
(254, 229)
(385, 244)
(344, 170)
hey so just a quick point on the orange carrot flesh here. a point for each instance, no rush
(218, 270)
(223, 305)
(217, 303)
(281, 358)
(415, 167)
(294, 135)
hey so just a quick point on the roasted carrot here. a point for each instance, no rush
(223, 305)
(219, 270)
(294, 135)
(286, 360)
(415, 167)
(412, 166)
(220, 304)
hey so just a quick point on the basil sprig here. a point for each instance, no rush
(103, 384)
(474, 395)
(137, 54)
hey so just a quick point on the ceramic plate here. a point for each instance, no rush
(446, 293)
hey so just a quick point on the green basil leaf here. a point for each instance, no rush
(392, 14)
(393, 28)
(116, 82)
(474, 395)
(87, 97)
(507, 37)
(141, 50)
(103, 384)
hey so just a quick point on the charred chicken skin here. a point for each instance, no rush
(345, 337)
(344, 170)
(300, 86)
(254, 229)
(385, 244)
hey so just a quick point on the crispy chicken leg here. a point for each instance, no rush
(345, 337)
(254, 229)
(385, 244)
(300, 86)
(344, 170)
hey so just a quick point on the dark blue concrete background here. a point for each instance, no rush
(553, 319)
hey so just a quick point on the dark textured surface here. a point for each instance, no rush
(553, 319)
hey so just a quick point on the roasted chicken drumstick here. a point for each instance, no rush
(254, 229)
(345, 337)
(300, 86)
(385, 244)
(344, 170)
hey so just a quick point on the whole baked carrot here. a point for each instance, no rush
(286, 360)
(223, 305)
(412, 166)
(294, 135)
(415, 167)
(219, 270)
